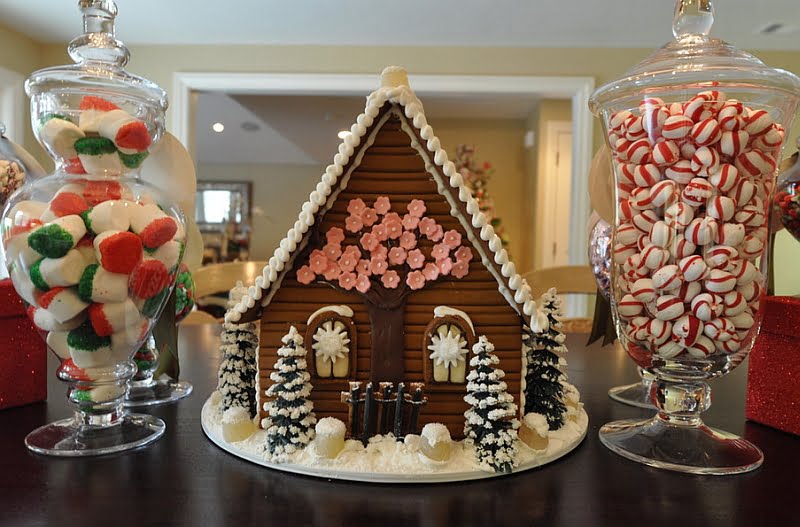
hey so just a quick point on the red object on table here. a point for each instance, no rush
(773, 382)
(23, 353)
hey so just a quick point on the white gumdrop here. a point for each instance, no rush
(464, 193)
(426, 132)
(440, 157)
(434, 144)
(508, 269)
(487, 232)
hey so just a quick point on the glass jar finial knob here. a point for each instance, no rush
(692, 17)
(97, 43)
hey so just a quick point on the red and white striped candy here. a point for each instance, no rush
(649, 104)
(681, 172)
(742, 193)
(731, 115)
(734, 303)
(721, 208)
(627, 173)
(639, 151)
(654, 257)
(732, 143)
(653, 119)
(661, 234)
(716, 99)
(706, 132)
(663, 193)
(744, 271)
(679, 215)
(720, 329)
(666, 153)
(754, 163)
(687, 150)
(645, 220)
(619, 119)
(751, 292)
(667, 278)
(624, 190)
(730, 234)
(743, 321)
(688, 291)
(757, 122)
(634, 267)
(770, 139)
(646, 175)
(627, 234)
(629, 307)
(621, 147)
(623, 252)
(695, 107)
(752, 247)
(701, 231)
(693, 268)
(706, 306)
(677, 127)
(669, 349)
(725, 178)
(676, 108)
(658, 331)
(635, 129)
(642, 242)
(640, 198)
(705, 161)
(669, 307)
(625, 210)
(751, 216)
(697, 192)
(681, 247)
(643, 290)
(687, 329)
(623, 284)
(719, 281)
(703, 347)
(728, 346)
(717, 257)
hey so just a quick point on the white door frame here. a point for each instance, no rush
(578, 89)
(12, 104)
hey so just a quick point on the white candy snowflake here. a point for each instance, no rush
(331, 341)
(448, 346)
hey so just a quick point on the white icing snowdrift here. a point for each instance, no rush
(385, 460)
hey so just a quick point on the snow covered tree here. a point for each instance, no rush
(237, 372)
(491, 422)
(290, 425)
(543, 378)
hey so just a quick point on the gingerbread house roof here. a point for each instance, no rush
(396, 92)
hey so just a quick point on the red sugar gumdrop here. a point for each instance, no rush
(119, 253)
(133, 136)
(74, 166)
(66, 203)
(92, 102)
(99, 321)
(159, 232)
(148, 279)
(99, 191)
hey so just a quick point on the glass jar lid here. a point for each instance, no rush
(694, 61)
(99, 63)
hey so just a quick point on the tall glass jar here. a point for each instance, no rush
(696, 132)
(91, 248)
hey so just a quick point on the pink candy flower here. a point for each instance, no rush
(332, 251)
(353, 223)
(362, 267)
(305, 275)
(416, 208)
(390, 279)
(318, 261)
(347, 281)
(460, 269)
(356, 206)
(394, 227)
(334, 235)
(348, 261)
(378, 266)
(444, 266)
(426, 225)
(436, 234)
(369, 217)
(415, 259)
(353, 252)
(397, 256)
(452, 239)
(382, 205)
(380, 251)
(415, 280)
(440, 251)
(332, 272)
(431, 272)
(369, 241)
(408, 241)
(362, 283)
(380, 232)
(464, 254)
(410, 222)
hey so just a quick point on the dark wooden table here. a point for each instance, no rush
(183, 479)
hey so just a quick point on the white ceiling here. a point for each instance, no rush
(539, 23)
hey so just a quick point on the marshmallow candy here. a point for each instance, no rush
(149, 278)
(59, 134)
(63, 303)
(118, 252)
(64, 203)
(171, 252)
(111, 215)
(92, 110)
(87, 348)
(58, 272)
(129, 134)
(107, 319)
(57, 342)
(98, 156)
(55, 239)
(124, 343)
(155, 227)
(45, 321)
(99, 285)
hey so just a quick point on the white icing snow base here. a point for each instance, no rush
(385, 460)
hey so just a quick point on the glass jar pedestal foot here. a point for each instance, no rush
(677, 439)
(144, 389)
(636, 394)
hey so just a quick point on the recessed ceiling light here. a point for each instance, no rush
(343, 133)
(250, 126)
(218, 127)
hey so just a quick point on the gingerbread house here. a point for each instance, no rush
(391, 273)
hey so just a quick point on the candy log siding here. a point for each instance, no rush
(392, 168)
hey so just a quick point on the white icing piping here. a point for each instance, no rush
(342, 311)
(443, 311)
(514, 288)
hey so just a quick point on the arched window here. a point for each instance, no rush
(448, 339)
(331, 339)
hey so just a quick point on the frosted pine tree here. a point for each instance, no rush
(290, 425)
(543, 378)
(237, 372)
(491, 422)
